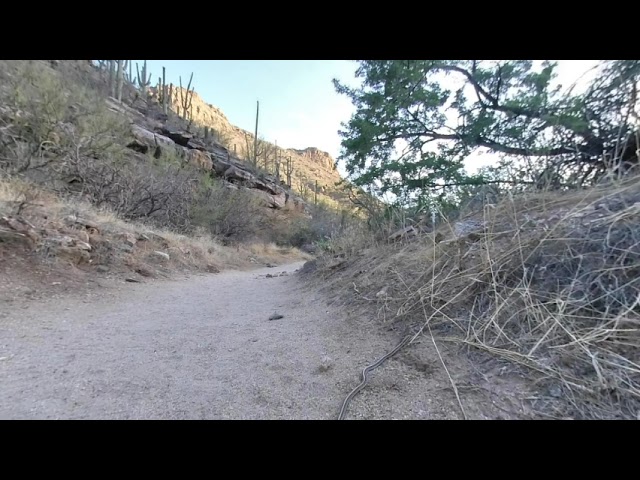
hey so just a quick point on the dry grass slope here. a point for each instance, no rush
(64, 157)
(118, 243)
(550, 282)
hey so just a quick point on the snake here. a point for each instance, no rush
(366, 370)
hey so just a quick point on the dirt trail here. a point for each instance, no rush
(204, 348)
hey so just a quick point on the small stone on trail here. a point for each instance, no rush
(131, 280)
(325, 364)
(276, 316)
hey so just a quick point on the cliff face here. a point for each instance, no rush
(310, 165)
(312, 154)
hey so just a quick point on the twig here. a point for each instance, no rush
(453, 384)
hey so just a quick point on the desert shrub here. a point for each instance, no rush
(298, 232)
(64, 136)
(57, 131)
(230, 213)
(323, 224)
(45, 121)
(138, 187)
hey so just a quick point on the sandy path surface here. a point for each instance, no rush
(204, 348)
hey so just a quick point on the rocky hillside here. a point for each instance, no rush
(163, 141)
(308, 165)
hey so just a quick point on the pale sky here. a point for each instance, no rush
(299, 107)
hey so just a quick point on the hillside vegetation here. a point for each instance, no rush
(94, 174)
(532, 266)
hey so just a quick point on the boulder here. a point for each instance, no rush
(182, 138)
(219, 166)
(138, 146)
(234, 173)
(278, 201)
(267, 200)
(196, 144)
(200, 159)
(157, 144)
(268, 187)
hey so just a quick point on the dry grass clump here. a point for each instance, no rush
(549, 281)
(553, 285)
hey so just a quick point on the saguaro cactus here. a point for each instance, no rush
(165, 100)
(275, 159)
(255, 138)
(112, 77)
(143, 80)
(288, 171)
(126, 65)
(303, 187)
(120, 79)
(186, 97)
(315, 194)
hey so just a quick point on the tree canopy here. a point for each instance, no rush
(416, 121)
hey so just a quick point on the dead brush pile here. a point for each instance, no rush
(548, 281)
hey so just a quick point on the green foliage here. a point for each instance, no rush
(417, 121)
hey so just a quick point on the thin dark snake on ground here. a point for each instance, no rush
(366, 370)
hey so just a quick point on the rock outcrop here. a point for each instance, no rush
(318, 157)
(215, 159)
(309, 165)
